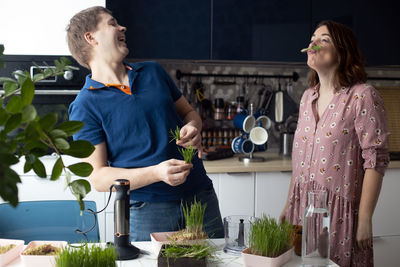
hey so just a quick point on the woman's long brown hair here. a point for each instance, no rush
(351, 69)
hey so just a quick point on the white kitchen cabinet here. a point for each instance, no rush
(271, 190)
(215, 179)
(109, 233)
(236, 194)
(386, 219)
(386, 251)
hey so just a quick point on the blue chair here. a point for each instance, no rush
(48, 220)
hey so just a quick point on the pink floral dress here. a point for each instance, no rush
(332, 154)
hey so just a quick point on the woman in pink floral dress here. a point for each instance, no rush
(340, 145)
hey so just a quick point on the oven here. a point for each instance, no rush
(55, 94)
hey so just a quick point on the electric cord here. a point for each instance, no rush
(90, 211)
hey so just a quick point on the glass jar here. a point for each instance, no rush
(237, 231)
(316, 230)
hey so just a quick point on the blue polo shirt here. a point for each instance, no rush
(136, 127)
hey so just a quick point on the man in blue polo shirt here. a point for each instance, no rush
(128, 110)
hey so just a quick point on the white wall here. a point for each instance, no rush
(37, 27)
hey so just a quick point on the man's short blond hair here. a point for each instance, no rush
(85, 21)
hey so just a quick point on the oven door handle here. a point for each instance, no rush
(52, 92)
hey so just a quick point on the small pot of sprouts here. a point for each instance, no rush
(269, 243)
(178, 255)
(193, 232)
(194, 217)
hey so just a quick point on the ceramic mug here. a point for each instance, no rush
(263, 121)
(258, 135)
(241, 144)
(244, 121)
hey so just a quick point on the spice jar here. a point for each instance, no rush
(231, 111)
(219, 112)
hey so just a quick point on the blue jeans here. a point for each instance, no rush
(152, 217)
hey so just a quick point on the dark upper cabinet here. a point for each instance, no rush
(375, 24)
(173, 29)
(259, 30)
(273, 30)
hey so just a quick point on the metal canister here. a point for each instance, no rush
(121, 207)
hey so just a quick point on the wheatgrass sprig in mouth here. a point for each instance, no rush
(315, 48)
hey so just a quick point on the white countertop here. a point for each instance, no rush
(222, 259)
(272, 163)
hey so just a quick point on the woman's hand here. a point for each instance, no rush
(282, 217)
(364, 233)
(190, 135)
(173, 172)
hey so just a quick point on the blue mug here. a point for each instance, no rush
(244, 121)
(241, 144)
(262, 120)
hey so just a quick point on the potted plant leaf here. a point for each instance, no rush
(192, 233)
(88, 255)
(269, 243)
(24, 134)
(178, 255)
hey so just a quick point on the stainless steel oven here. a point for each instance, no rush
(54, 94)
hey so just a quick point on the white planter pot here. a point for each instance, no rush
(251, 260)
(159, 239)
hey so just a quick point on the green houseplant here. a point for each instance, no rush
(270, 243)
(90, 255)
(23, 133)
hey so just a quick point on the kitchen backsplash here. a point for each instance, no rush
(229, 91)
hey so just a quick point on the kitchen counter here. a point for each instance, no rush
(273, 163)
(221, 258)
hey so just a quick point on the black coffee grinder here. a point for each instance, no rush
(123, 247)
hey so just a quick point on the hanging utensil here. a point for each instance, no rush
(266, 98)
(245, 92)
(279, 105)
(260, 93)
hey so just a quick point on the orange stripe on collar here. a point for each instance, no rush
(123, 88)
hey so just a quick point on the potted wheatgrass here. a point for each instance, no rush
(194, 217)
(193, 233)
(178, 255)
(270, 243)
(88, 255)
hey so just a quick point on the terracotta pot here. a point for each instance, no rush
(297, 239)
(251, 260)
(179, 262)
